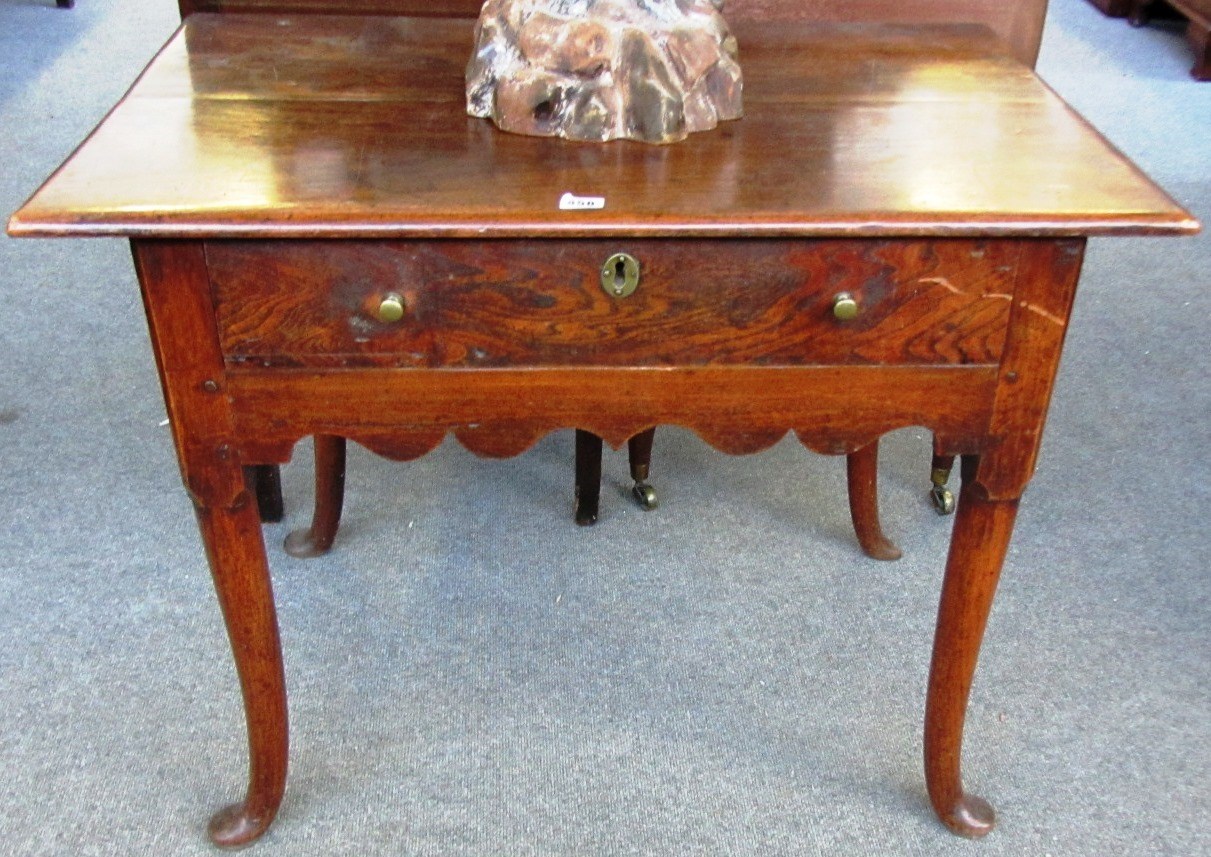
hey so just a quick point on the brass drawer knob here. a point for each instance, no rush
(845, 307)
(620, 275)
(391, 308)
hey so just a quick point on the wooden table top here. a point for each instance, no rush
(312, 126)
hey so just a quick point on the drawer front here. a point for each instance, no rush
(542, 303)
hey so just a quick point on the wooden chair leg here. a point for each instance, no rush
(266, 480)
(640, 450)
(329, 500)
(588, 477)
(862, 468)
(977, 550)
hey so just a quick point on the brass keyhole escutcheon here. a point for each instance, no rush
(620, 275)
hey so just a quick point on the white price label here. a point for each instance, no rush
(571, 202)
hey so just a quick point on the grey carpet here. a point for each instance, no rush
(471, 674)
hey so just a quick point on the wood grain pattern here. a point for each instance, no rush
(286, 128)
(526, 303)
(404, 413)
(1042, 307)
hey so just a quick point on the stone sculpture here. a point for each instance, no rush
(650, 70)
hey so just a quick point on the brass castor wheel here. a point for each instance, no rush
(645, 496)
(943, 499)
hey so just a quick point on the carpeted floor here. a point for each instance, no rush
(471, 674)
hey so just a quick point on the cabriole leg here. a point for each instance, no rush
(176, 294)
(977, 550)
(236, 552)
(862, 472)
(317, 539)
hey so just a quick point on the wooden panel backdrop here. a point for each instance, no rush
(1018, 22)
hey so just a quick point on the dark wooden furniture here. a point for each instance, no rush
(281, 179)
(1113, 8)
(1198, 27)
(588, 473)
(1020, 26)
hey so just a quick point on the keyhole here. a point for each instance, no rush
(620, 276)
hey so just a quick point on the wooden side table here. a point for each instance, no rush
(283, 180)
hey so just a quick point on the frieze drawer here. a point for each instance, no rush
(463, 304)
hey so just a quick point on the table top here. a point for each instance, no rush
(263, 126)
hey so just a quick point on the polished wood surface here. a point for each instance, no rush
(1018, 24)
(341, 127)
(919, 168)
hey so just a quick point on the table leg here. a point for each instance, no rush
(1199, 36)
(236, 552)
(977, 550)
(939, 474)
(862, 473)
(639, 451)
(329, 500)
(268, 481)
(180, 314)
(1138, 12)
(588, 477)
